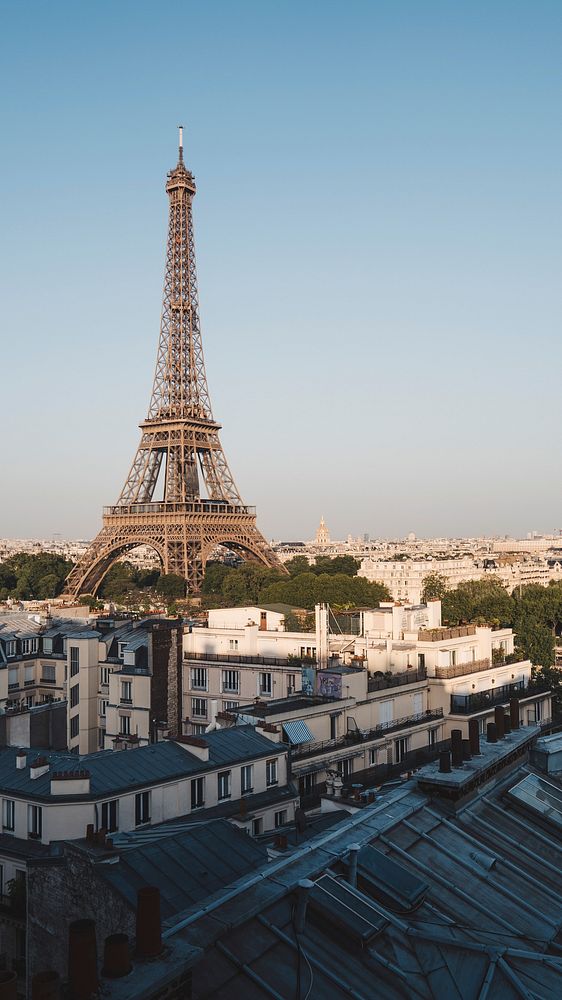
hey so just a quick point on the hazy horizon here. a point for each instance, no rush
(377, 228)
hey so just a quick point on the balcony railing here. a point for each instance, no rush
(461, 669)
(466, 704)
(359, 736)
(396, 680)
(194, 507)
(268, 661)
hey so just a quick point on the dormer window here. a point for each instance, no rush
(121, 647)
(28, 646)
(11, 647)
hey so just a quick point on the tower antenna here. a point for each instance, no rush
(180, 127)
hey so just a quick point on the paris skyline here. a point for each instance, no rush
(377, 259)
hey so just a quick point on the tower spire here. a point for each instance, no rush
(180, 129)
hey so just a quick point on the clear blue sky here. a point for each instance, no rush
(379, 240)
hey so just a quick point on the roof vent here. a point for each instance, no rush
(389, 882)
(486, 861)
(21, 759)
(345, 910)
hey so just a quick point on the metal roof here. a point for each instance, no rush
(298, 732)
(187, 866)
(114, 772)
(489, 924)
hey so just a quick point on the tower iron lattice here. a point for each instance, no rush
(180, 442)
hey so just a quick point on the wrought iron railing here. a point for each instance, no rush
(466, 704)
(354, 737)
(191, 507)
(268, 661)
(396, 680)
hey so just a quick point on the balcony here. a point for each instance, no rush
(48, 680)
(125, 701)
(268, 661)
(193, 507)
(467, 704)
(363, 736)
(390, 680)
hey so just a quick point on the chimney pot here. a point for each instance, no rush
(82, 959)
(149, 925)
(304, 887)
(116, 958)
(474, 736)
(514, 712)
(45, 986)
(491, 733)
(445, 761)
(8, 985)
(456, 747)
(507, 724)
(498, 719)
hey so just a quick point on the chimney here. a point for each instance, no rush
(456, 747)
(466, 751)
(445, 762)
(491, 733)
(352, 864)
(8, 985)
(195, 745)
(116, 958)
(273, 733)
(514, 712)
(82, 959)
(45, 986)
(474, 736)
(21, 759)
(498, 719)
(304, 887)
(38, 767)
(149, 925)
(507, 723)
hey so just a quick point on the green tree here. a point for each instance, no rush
(215, 575)
(434, 588)
(171, 586)
(297, 565)
(483, 601)
(336, 564)
(39, 576)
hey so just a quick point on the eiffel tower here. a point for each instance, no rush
(179, 442)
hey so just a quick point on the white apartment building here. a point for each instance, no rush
(52, 797)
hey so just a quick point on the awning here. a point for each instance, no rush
(298, 732)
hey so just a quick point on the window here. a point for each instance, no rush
(280, 818)
(110, 816)
(345, 767)
(48, 673)
(104, 675)
(8, 815)
(233, 644)
(1, 880)
(223, 780)
(103, 708)
(35, 821)
(30, 700)
(121, 647)
(257, 827)
(124, 725)
(230, 681)
(74, 726)
(127, 692)
(432, 737)
(230, 705)
(11, 647)
(197, 793)
(421, 661)
(13, 677)
(400, 749)
(199, 707)
(47, 645)
(271, 772)
(372, 757)
(247, 779)
(266, 683)
(74, 660)
(74, 695)
(291, 683)
(101, 738)
(199, 678)
(142, 808)
(28, 674)
(28, 646)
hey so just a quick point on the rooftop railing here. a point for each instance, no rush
(390, 680)
(269, 661)
(359, 736)
(466, 704)
(461, 669)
